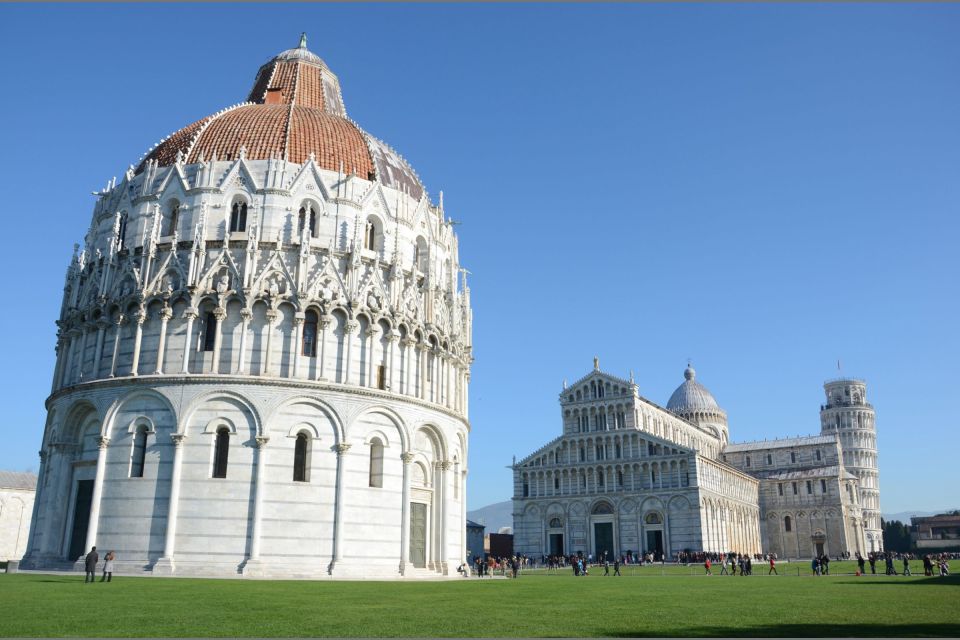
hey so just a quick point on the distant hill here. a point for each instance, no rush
(493, 516)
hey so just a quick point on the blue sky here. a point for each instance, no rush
(765, 189)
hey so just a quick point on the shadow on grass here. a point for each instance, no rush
(802, 631)
(898, 581)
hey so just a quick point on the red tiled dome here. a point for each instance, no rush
(294, 109)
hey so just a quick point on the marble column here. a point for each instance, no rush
(407, 458)
(408, 351)
(220, 314)
(65, 378)
(58, 369)
(121, 320)
(190, 315)
(298, 320)
(165, 315)
(392, 338)
(272, 316)
(245, 315)
(139, 318)
(321, 371)
(38, 498)
(371, 337)
(348, 330)
(258, 492)
(341, 450)
(98, 348)
(102, 442)
(82, 356)
(165, 564)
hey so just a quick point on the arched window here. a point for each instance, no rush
(370, 236)
(210, 331)
(122, 232)
(786, 524)
(309, 347)
(652, 518)
(139, 455)
(376, 463)
(220, 452)
(301, 452)
(173, 217)
(307, 218)
(238, 217)
(556, 523)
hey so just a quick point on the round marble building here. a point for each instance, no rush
(263, 354)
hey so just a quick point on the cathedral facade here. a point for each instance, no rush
(627, 476)
(263, 354)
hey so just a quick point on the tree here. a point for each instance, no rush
(896, 535)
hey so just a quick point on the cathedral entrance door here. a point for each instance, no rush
(603, 541)
(81, 519)
(655, 543)
(819, 548)
(418, 534)
(556, 544)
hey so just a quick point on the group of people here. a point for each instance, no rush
(90, 562)
(931, 563)
(489, 565)
(735, 561)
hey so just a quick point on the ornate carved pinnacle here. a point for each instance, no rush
(407, 457)
(103, 442)
(342, 448)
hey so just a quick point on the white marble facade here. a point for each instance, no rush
(628, 476)
(17, 492)
(282, 393)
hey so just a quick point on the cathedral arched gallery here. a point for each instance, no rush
(263, 354)
(628, 476)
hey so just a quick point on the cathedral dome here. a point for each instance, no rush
(691, 395)
(294, 111)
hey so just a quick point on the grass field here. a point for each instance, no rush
(538, 604)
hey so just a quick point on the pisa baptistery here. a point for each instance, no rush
(263, 355)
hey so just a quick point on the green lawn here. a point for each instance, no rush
(554, 604)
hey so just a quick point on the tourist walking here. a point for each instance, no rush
(860, 563)
(616, 567)
(91, 565)
(773, 567)
(906, 565)
(706, 565)
(108, 566)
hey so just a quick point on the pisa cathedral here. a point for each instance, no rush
(627, 476)
(263, 355)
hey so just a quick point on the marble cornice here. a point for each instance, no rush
(211, 379)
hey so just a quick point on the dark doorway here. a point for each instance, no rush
(819, 548)
(418, 534)
(81, 519)
(556, 544)
(655, 543)
(603, 541)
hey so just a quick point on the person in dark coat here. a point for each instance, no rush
(91, 565)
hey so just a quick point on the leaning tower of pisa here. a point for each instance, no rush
(848, 414)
